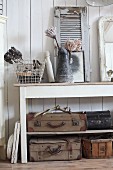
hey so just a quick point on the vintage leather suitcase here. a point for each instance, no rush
(44, 149)
(97, 148)
(98, 120)
(56, 122)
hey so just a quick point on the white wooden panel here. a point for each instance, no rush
(2, 116)
(48, 43)
(62, 102)
(106, 11)
(81, 3)
(18, 30)
(96, 103)
(108, 104)
(68, 90)
(74, 104)
(36, 29)
(59, 2)
(47, 17)
(12, 40)
(35, 105)
(85, 104)
(36, 42)
(24, 37)
(71, 3)
(94, 58)
(49, 103)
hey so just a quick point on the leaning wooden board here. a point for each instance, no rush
(56, 122)
(63, 148)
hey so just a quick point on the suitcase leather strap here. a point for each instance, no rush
(53, 151)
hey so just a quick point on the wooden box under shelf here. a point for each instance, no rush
(98, 148)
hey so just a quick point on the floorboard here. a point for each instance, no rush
(83, 164)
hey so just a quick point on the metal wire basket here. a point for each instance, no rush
(30, 71)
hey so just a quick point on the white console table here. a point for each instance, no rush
(58, 90)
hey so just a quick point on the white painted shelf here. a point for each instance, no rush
(58, 90)
(77, 132)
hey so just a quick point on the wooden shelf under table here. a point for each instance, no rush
(58, 90)
(77, 132)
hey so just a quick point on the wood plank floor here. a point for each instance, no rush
(84, 164)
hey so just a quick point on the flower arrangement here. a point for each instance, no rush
(73, 45)
(70, 45)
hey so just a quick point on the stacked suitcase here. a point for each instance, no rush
(64, 147)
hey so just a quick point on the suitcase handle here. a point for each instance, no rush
(56, 126)
(53, 151)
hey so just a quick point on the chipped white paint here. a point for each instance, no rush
(102, 55)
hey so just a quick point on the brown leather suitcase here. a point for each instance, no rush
(56, 122)
(45, 149)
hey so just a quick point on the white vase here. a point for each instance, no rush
(49, 67)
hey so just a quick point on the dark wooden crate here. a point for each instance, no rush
(98, 148)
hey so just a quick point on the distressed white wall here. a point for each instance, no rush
(27, 22)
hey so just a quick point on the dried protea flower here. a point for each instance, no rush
(51, 32)
(73, 45)
(70, 45)
(78, 43)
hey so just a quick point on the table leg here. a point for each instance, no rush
(23, 124)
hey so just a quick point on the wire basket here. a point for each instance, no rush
(30, 71)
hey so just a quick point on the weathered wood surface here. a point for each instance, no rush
(83, 164)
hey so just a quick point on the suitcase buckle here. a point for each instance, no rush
(75, 122)
(37, 123)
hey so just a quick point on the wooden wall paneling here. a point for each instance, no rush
(4, 7)
(19, 37)
(36, 29)
(94, 58)
(81, 3)
(12, 40)
(24, 37)
(5, 74)
(24, 33)
(36, 25)
(71, 3)
(96, 103)
(106, 11)
(85, 104)
(74, 104)
(108, 104)
(62, 102)
(24, 28)
(59, 2)
(36, 105)
(47, 19)
(49, 103)
(48, 43)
